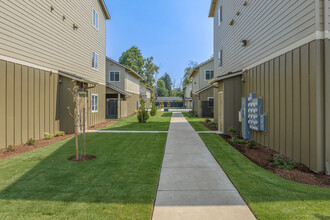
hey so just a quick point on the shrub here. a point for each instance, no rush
(251, 144)
(48, 136)
(59, 133)
(31, 141)
(232, 131)
(235, 140)
(191, 113)
(153, 108)
(10, 148)
(282, 162)
(142, 114)
(208, 120)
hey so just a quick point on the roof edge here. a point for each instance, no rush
(199, 65)
(105, 9)
(212, 8)
(119, 64)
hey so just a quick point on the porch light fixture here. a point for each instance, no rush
(243, 43)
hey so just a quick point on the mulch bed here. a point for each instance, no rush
(82, 158)
(262, 156)
(209, 126)
(102, 125)
(23, 148)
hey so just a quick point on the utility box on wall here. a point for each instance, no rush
(252, 117)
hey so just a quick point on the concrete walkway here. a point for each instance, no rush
(192, 185)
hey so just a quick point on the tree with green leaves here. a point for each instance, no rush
(161, 88)
(150, 70)
(153, 106)
(142, 114)
(187, 71)
(168, 83)
(132, 58)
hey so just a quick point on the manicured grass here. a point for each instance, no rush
(159, 122)
(195, 122)
(268, 195)
(120, 183)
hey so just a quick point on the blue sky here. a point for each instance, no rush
(172, 31)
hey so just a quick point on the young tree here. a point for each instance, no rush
(153, 106)
(168, 83)
(150, 70)
(187, 71)
(142, 114)
(161, 88)
(132, 58)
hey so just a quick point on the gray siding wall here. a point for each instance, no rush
(267, 25)
(198, 80)
(32, 33)
(113, 67)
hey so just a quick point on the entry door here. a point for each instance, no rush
(112, 109)
(221, 112)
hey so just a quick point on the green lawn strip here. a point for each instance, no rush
(159, 122)
(268, 195)
(195, 122)
(120, 183)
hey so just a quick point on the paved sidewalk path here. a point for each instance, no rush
(192, 185)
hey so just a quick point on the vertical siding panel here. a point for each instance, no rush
(25, 95)
(10, 102)
(3, 129)
(277, 103)
(18, 105)
(42, 104)
(262, 94)
(258, 90)
(296, 106)
(313, 97)
(288, 104)
(267, 103)
(46, 103)
(305, 105)
(271, 106)
(37, 104)
(31, 82)
(282, 105)
(51, 103)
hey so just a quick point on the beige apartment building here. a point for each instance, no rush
(123, 90)
(187, 90)
(145, 92)
(44, 47)
(280, 51)
(202, 91)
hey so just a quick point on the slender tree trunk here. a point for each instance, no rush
(77, 151)
(84, 128)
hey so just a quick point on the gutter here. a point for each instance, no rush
(226, 76)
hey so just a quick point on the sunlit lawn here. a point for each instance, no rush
(159, 122)
(195, 122)
(120, 183)
(268, 195)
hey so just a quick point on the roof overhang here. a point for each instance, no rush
(202, 90)
(225, 76)
(105, 10)
(75, 77)
(196, 68)
(125, 67)
(212, 8)
(116, 89)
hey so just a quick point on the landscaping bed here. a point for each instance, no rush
(102, 125)
(209, 126)
(263, 156)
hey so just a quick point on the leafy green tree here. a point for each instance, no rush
(168, 83)
(150, 70)
(161, 88)
(187, 71)
(132, 58)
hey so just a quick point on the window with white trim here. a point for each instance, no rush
(95, 19)
(220, 58)
(208, 75)
(219, 15)
(114, 76)
(210, 102)
(95, 103)
(95, 60)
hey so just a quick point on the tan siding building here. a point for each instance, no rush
(280, 51)
(44, 45)
(123, 90)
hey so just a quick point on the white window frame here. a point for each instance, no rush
(220, 58)
(114, 76)
(205, 74)
(95, 62)
(95, 106)
(220, 15)
(95, 19)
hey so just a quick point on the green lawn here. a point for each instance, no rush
(268, 195)
(159, 122)
(195, 122)
(120, 183)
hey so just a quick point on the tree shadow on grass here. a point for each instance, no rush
(125, 170)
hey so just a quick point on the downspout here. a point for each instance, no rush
(326, 87)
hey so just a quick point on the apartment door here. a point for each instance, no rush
(221, 112)
(112, 109)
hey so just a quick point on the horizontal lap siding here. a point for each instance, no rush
(32, 33)
(284, 23)
(25, 93)
(288, 86)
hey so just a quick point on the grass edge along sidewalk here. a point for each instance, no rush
(268, 195)
(121, 183)
(196, 122)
